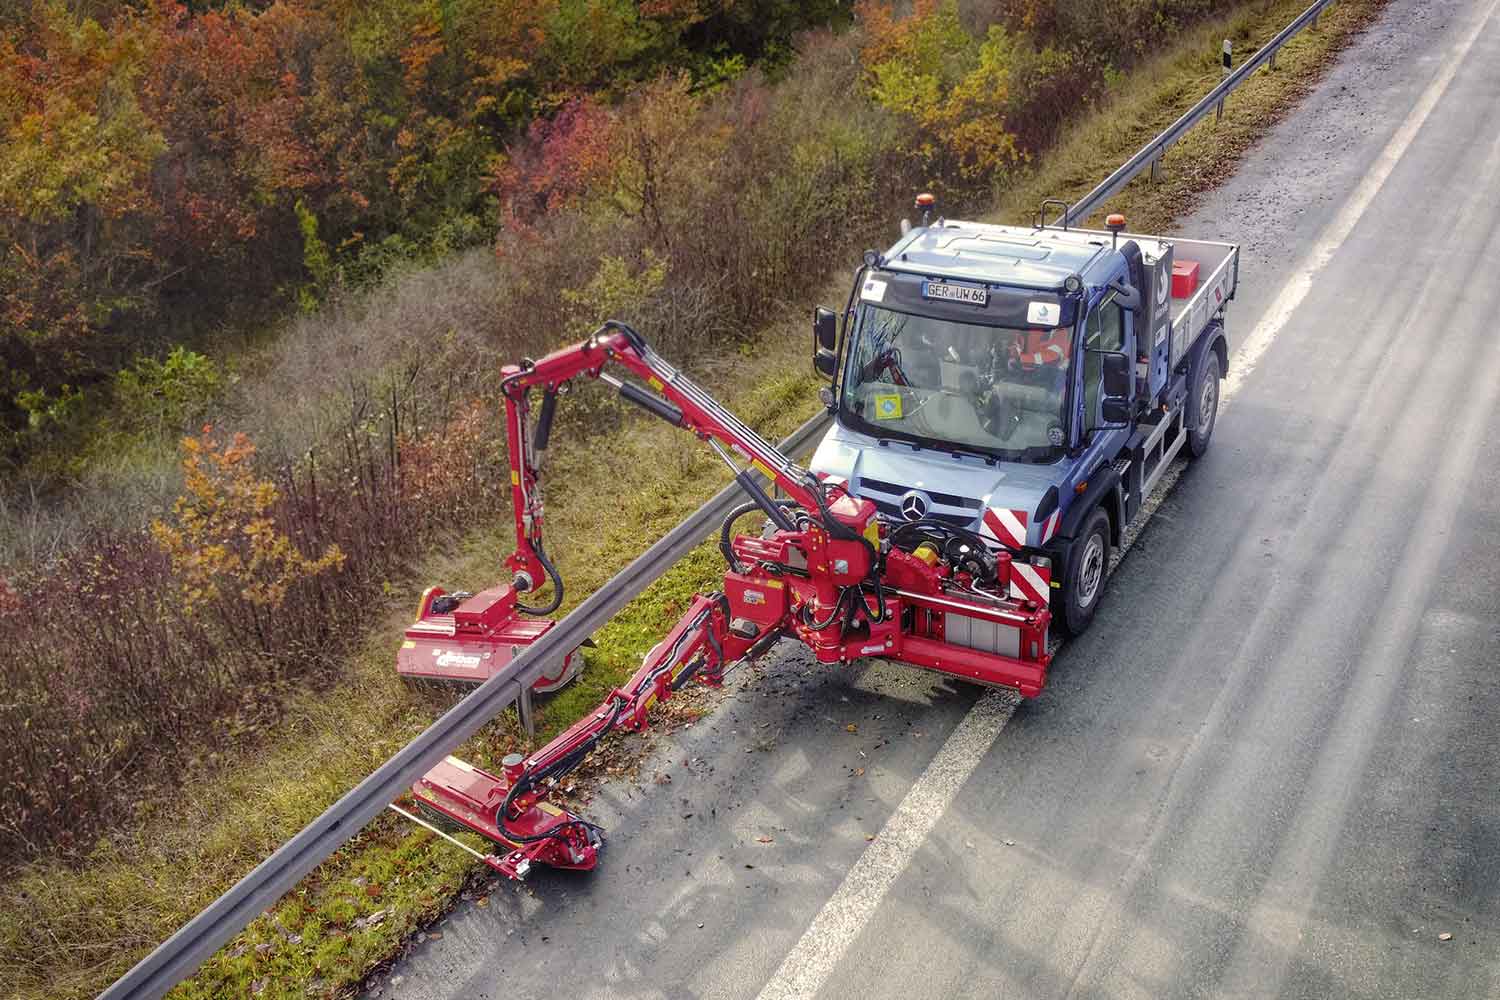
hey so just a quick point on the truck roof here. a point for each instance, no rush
(1013, 255)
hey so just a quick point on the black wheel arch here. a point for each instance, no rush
(1104, 490)
(1213, 339)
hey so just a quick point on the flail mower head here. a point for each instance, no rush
(469, 638)
(458, 793)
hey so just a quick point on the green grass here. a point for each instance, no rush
(66, 932)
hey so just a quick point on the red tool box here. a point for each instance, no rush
(1184, 278)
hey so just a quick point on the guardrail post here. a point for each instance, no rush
(1228, 61)
(523, 709)
(1156, 168)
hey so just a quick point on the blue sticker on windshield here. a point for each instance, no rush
(949, 292)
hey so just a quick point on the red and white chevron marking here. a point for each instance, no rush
(1031, 583)
(1049, 527)
(1008, 527)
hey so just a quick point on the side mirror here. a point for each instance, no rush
(1115, 368)
(826, 362)
(825, 328)
(1114, 396)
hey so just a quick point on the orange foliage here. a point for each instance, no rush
(225, 534)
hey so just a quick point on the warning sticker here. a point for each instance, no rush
(888, 406)
(874, 290)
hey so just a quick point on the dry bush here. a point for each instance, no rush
(428, 330)
(125, 661)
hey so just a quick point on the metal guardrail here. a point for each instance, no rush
(177, 957)
(1151, 153)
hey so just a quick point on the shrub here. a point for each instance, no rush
(224, 534)
(175, 154)
(168, 394)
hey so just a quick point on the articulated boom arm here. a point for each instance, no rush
(680, 402)
(511, 808)
(824, 571)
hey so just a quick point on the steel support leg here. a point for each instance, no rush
(524, 710)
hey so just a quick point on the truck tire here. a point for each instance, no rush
(1083, 579)
(1203, 403)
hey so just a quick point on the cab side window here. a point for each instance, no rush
(1106, 328)
(1104, 331)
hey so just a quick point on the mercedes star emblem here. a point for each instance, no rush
(914, 505)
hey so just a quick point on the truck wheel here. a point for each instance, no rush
(1083, 582)
(1203, 403)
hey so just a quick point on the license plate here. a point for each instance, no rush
(967, 294)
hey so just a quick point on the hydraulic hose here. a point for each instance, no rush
(571, 760)
(557, 585)
(838, 609)
(560, 766)
(838, 529)
(725, 528)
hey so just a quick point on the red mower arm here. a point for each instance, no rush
(668, 394)
(511, 808)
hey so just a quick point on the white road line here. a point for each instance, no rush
(1297, 287)
(810, 962)
(807, 966)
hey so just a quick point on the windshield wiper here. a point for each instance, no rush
(958, 450)
(932, 444)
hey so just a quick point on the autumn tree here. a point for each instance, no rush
(223, 537)
(76, 151)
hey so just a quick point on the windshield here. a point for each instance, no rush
(985, 388)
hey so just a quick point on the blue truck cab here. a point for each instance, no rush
(1025, 385)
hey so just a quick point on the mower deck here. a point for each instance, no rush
(475, 640)
(472, 797)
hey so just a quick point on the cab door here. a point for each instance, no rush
(1108, 329)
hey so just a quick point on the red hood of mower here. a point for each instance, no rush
(472, 643)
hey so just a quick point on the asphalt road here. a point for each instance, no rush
(1272, 767)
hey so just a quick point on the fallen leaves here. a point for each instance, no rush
(360, 923)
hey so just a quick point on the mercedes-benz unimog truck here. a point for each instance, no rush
(1023, 389)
